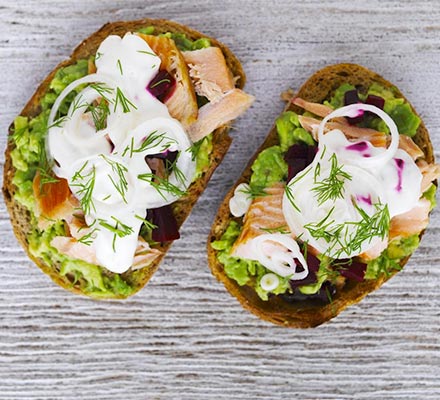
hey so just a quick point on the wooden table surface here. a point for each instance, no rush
(184, 336)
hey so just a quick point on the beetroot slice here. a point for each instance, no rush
(354, 270)
(169, 157)
(162, 86)
(351, 97)
(298, 157)
(377, 101)
(313, 264)
(165, 222)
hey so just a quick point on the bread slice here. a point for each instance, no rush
(20, 216)
(319, 87)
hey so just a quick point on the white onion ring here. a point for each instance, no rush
(352, 111)
(89, 95)
(92, 78)
(277, 262)
(269, 282)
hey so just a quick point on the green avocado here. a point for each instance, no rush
(390, 258)
(268, 168)
(290, 131)
(183, 43)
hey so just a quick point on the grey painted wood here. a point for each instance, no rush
(183, 336)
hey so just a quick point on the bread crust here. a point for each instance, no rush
(20, 215)
(306, 314)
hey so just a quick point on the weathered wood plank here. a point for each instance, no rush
(183, 336)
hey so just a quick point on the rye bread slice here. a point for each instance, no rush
(20, 216)
(319, 87)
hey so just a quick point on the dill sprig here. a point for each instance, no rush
(46, 177)
(172, 167)
(58, 122)
(120, 67)
(45, 169)
(291, 198)
(350, 241)
(88, 238)
(86, 184)
(77, 104)
(123, 101)
(152, 140)
(195, 149)
(332, 187)
(148, 224)
(324, 228)
(293, 182)
(160, 82)
(376, 225)
(121, 184)
(254, 191)
(119, 230)
(147, 52)
(161, 185)
(16, 134)
(99, 113)
(102, 90)
(329, 295)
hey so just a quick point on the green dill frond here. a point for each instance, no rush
(120, 170)
(161, 185)
(86, 184)
(100, 113)
(123, 101)
(152, 140)
(148, 224)
(332, 187)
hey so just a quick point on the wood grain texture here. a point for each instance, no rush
(183, 336)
